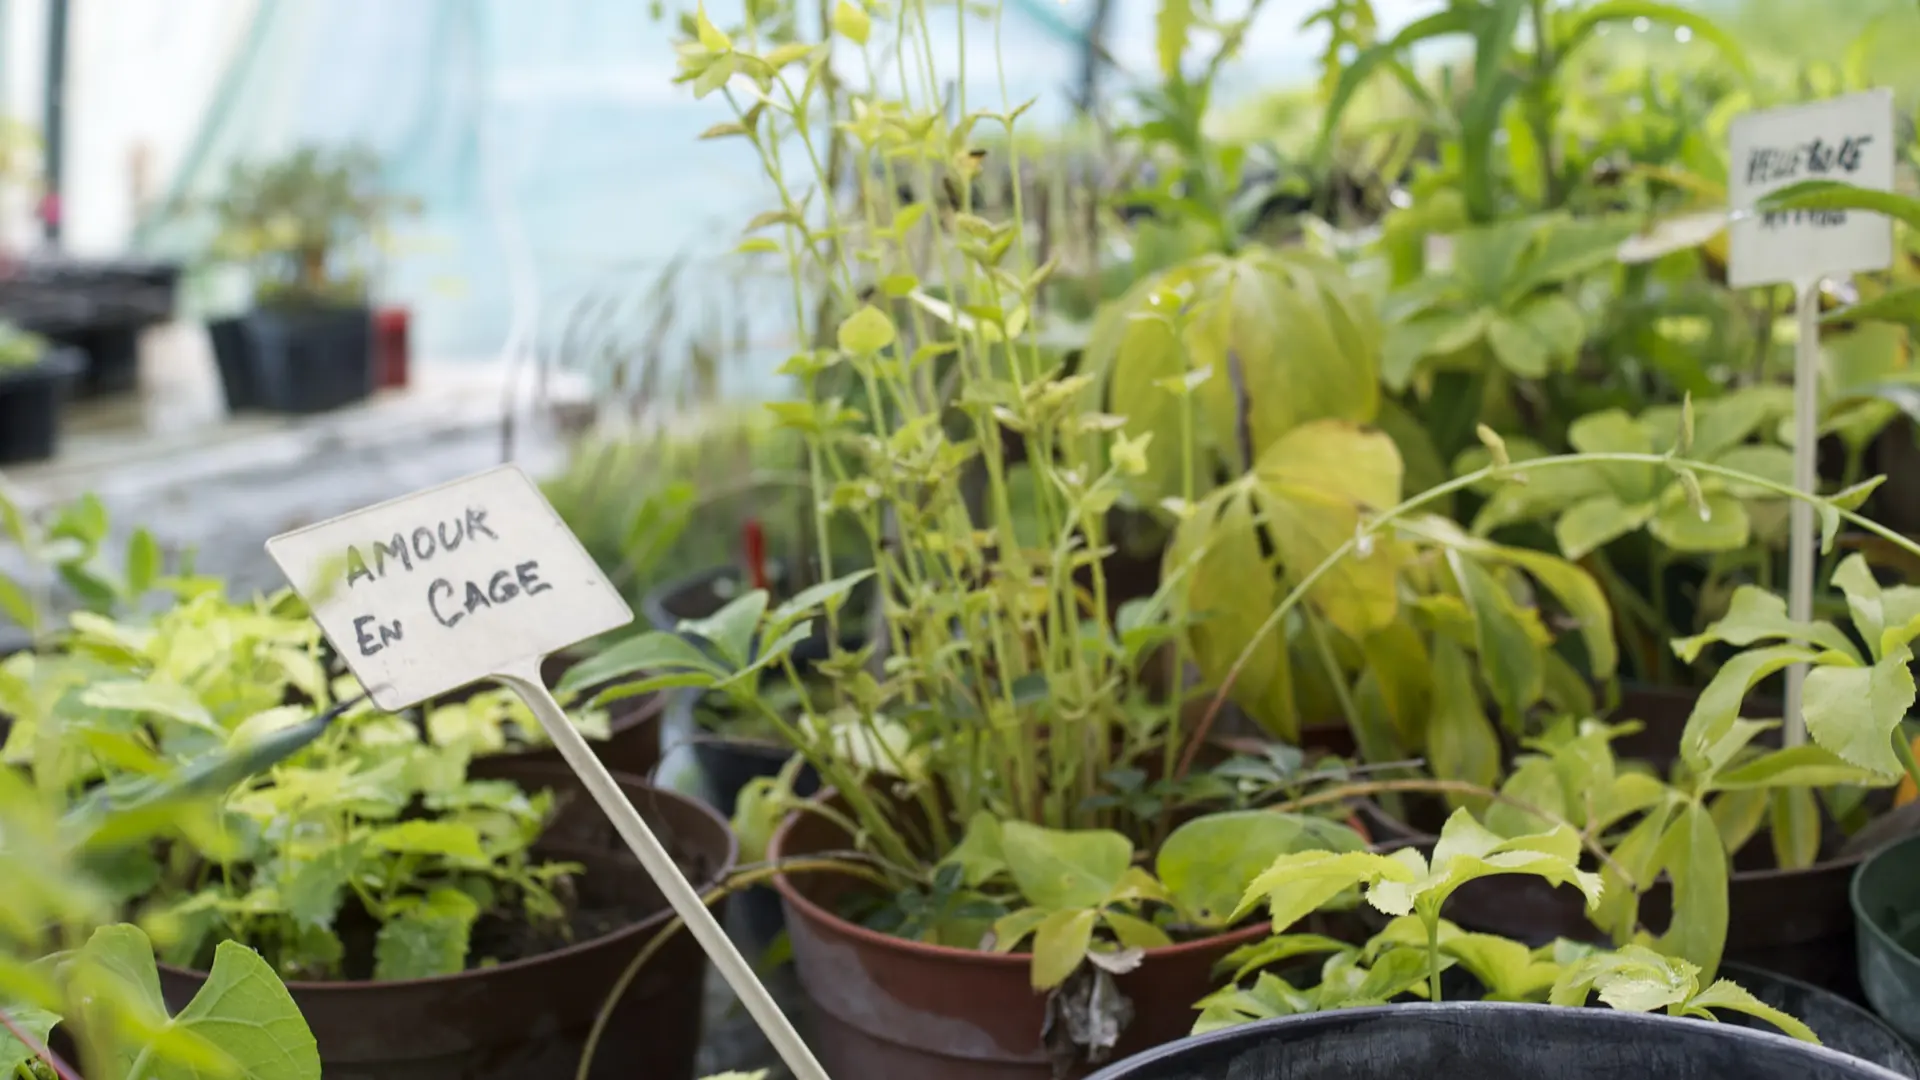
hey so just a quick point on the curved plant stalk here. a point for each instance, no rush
(739, 880)
(1503, 469)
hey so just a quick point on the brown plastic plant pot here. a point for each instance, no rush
(632, 745)
(1797, 923)
(529, 1018)
(886, 1008)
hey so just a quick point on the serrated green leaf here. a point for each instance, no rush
(1298, 885)
(1727, 995)
(1853, 711)
(1756, 615)
(429, 939)
(1718, 706)
(452, 839)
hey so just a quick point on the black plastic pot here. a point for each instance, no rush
(530, 1017)
(1886, 903)
(30, 401)
(1841, 1024)
(305, 360)
(1489, 1041)
(726, 766)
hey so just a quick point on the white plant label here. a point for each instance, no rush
(1849, 139)
(427, 593)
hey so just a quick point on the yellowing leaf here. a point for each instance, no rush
(850, 21)
(1059, 869)
(1059, 944)
(868, 330)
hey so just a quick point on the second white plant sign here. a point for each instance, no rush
(1848, 139)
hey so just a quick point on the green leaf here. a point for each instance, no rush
(1711, 725)
(1467, 851)
(979, 855)
(1794, 820)
(144, 564)
(827, 596)
(453, 839)
(1694, 861)
(1298, 885)
(1207, 863)
(1595, 522)
(244, 1011)
(1230, 592)
(1135, 932)
(1518, 348)
(709, 35)
(1738, 814)
(1853, 711)
(428, 939)
(1592, 18)
(1634, 979)
(1612, 431)
(1896, 305)
(1679, 525)
(649, 652)
(1461, 743)
(1728, 995)
(1058, 869)
(153, 698)
(1797, 766)
(1171, 26)
(1509, 658)
(1756, 615)
(1355, 74)
(1557, 322)
(37, 1023)
(311, 890)
(1837, 195)
(868, 330)
(1277, 949)
(1059, 944)
(731, 628)
(1508, 969)
(16, 605)
(1012, 928)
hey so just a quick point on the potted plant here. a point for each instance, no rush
(374, 869)
(33, 386)
(303, 227)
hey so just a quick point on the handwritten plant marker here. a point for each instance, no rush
(480, 579)
(1848, 139)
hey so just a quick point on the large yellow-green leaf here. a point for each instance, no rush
(1059, 944)
(1335, 458)
(1297, 885)
(1231, 591)
(1208, 863)
(1461, 744)
(1714, 732)
(1853, 711)
(1058, 869)
(1149, 354)
(1313, 485)
(1696, 864)
(1397, 660)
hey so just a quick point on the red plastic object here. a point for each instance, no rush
(756, 539)
(391, 349)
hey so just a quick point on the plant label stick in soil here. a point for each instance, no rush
(479, 579)
(1848, 139)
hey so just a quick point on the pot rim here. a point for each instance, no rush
(659, 918)
(1627, 1026)
(875, 939)
(1860, 916)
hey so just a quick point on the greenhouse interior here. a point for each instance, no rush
(959, 539)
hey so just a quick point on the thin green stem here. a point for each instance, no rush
(1433, 956)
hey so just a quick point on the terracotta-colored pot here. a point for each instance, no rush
(889, 1008)
(1794, 922)
(530, 1017)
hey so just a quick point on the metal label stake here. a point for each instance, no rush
(479, 579)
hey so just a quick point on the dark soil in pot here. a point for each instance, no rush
(1794, 922)
(1886, 902)
(30, 402)
(1491, 1041)
(887, 1007)
(632, 745)
(528, 1016)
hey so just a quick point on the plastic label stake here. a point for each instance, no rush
(480, 579)
(1849, 139)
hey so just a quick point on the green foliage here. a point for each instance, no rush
(305, 224)
(18, 348)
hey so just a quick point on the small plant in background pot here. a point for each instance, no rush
(305, 227)
(33, 383)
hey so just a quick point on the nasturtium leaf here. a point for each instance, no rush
(1206, 863)
(1059, 944)
(245, 1012)
(1058, 869)
(1696, 863)
(1756, 615)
